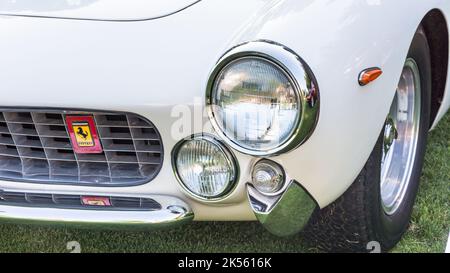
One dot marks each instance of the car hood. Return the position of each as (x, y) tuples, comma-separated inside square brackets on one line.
[(104, 10)]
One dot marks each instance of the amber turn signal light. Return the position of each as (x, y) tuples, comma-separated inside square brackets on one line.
[(369, 75)]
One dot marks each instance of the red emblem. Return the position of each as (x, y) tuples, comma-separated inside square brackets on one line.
[(83, 134), (96, 201)]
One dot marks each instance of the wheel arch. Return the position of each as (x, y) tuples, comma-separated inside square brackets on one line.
[(435, 26)]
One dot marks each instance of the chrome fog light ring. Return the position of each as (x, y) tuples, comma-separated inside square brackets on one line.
[(298, 73), (221, 149), (268, 167)]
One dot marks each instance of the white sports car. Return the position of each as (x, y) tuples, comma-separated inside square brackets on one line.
[(301, 114)]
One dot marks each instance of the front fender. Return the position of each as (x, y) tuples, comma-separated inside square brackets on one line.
[(339, 39)]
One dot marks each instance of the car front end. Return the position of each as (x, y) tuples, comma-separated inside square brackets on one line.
[(118, 114)]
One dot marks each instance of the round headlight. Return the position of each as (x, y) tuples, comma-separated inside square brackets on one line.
[(205, 167), (259, 104), (255, 103)]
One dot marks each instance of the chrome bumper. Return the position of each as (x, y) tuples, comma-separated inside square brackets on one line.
[(173, 212), (285, 214)]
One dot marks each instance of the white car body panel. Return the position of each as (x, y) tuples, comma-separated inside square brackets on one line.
[(148, 67), (111, 10)]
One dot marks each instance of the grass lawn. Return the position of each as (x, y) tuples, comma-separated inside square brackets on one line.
[(428, 231)]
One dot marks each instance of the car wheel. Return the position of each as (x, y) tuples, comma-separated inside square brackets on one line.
[(376, 209)]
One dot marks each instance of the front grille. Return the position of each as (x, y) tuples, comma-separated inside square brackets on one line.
[(74, 201), (35, 147)]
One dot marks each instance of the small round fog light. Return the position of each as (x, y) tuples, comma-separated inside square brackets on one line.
[(205, 167), (267, 176)]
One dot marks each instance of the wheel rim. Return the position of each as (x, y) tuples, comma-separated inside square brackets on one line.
[(401, 132)]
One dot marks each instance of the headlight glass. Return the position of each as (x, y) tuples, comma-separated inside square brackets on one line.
[(205, 167), (267, 176), (255, 104)]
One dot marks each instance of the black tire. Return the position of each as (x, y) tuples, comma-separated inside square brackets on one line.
[(357, 217)]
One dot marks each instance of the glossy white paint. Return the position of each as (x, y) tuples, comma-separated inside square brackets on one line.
[(147, 67), (121, 10)]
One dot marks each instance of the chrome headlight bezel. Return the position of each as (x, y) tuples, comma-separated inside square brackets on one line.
[(295, 69), (230, 157)]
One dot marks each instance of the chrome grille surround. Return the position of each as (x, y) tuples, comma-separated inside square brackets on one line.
[(35, 147)]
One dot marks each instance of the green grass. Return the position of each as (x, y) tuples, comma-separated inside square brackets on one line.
[(430, 222), (428, 231)]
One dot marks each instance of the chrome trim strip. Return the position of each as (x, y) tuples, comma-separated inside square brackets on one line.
[(173, 213), (285, 214), (301, 76)]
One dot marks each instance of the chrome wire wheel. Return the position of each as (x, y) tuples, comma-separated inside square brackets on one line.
[(401, 133)]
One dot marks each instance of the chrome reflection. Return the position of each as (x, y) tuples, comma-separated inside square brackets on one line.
[(294, 76), (285, 214), (173, 212), (401, 133)]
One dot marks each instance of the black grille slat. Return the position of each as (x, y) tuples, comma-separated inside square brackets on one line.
[(47, 118), (22, 129), (149, 158), (125, 170), (122, 157), (143, 133), (111, 120), (92, 157), (52, 130), (8, 150), (60, 154), (94, 169), (31, 152), (148, 170), (6, 139), (56, 143), (147, 203), (18, 117), (35, 167), (115, 132), (10, 164), (63, 168), (12, 197), (27, 141), (4, 127), (115, 145), (39, 198), (125, 202), (135, 121), (68, 200), (147, 146), (35, 147)]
